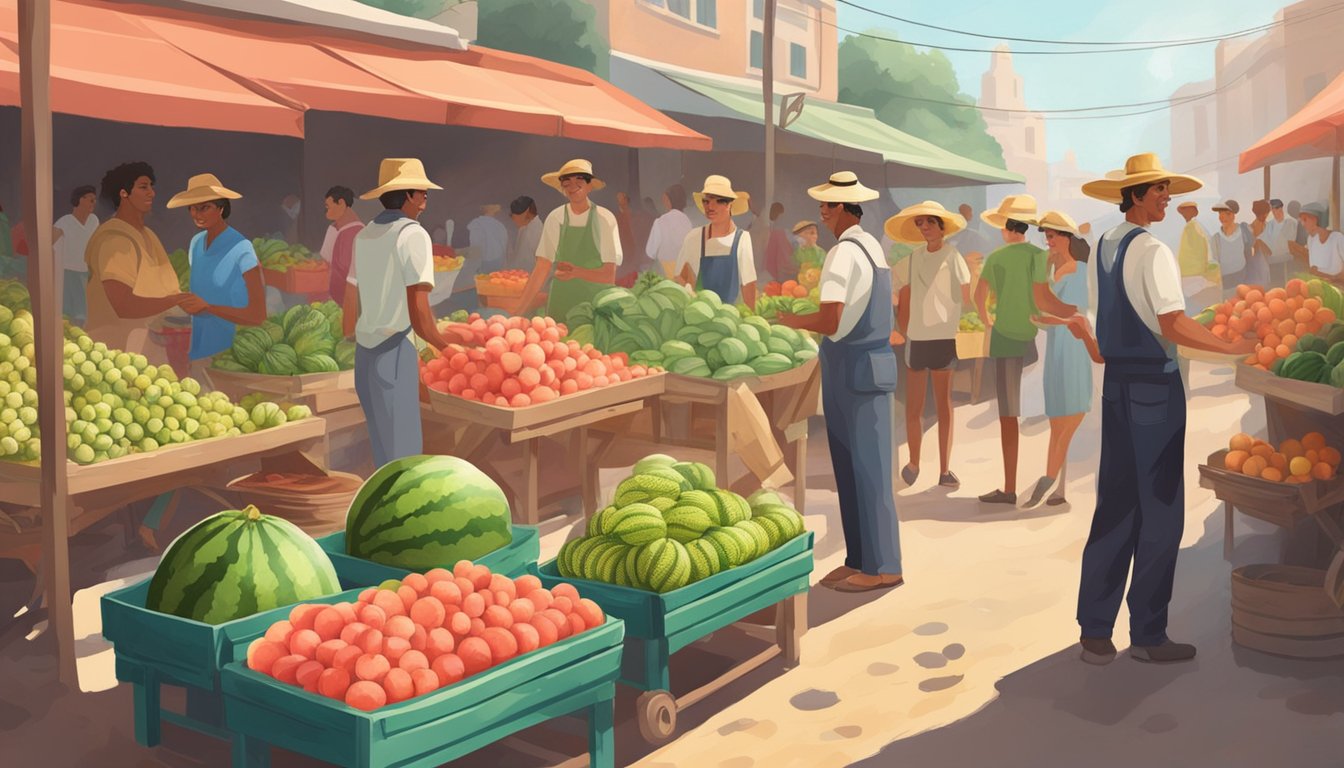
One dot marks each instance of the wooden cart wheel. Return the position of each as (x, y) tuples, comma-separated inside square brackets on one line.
[(657, 712)]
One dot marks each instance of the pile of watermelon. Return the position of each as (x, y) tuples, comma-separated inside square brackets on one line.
[(517, 361), (306, 338), (658, 323), (670, 526), (408, 638)]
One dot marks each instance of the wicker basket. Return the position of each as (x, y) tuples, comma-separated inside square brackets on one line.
[(1284, 610), (316, 513)]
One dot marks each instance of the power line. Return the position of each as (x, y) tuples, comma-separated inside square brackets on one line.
[(1153, 43)]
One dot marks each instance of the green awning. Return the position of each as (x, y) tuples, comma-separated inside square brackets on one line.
[(851, 126)]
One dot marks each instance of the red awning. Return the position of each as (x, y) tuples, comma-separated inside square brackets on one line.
[(1317, 130), (155, 65)]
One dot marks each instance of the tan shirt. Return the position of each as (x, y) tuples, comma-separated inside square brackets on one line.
[(118, 251)]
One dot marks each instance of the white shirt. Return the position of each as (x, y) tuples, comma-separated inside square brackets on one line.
[(525, 246), (1152, 276), (608, 239), (718, 247), (490, 241), (1328, 256), (74, 239), (1277, 235), (935, 281), (847, 277), (667, 236), (1229, 251), (328, 250), (389, 258)]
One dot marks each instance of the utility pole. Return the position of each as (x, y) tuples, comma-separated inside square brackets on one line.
[(768, 91)]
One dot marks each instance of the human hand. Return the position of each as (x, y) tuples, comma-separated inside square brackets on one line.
[(896, 339), (193, 304), (1243, 346), (564, 271), (787, 319)]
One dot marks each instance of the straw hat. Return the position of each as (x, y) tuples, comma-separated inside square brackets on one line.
[(1016, 207), (1227, 205), (1059, 222), (1139, 169), (399, 173), (804, 224), (568, 169), (202, 188), (720, 186), (1188, 204), (842, 187), (901, 227)]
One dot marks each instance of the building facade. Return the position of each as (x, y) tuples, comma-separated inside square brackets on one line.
[(1020, 133), (1194, 131)]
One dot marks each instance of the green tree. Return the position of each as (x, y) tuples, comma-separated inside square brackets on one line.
[(902, 85), (420, 9), (563, 31)]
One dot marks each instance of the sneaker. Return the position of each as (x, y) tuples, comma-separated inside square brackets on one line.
[(1044, 487), (909, 474), (998, 497), (949, 480), (1167, 652), (1097, 650), (1056, 501)]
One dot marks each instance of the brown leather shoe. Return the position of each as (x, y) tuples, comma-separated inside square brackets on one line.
[(837, 576), (1099, 651), (862, 582)]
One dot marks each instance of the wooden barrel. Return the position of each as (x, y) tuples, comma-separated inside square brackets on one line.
[(1284, 610), (317, 513)]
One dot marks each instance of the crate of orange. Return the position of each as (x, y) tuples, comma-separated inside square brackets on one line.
[(1277, 317), (1279, 484), (506, 282)]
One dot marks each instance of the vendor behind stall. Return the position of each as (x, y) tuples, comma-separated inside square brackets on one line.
[(226, 288), (718, 257)]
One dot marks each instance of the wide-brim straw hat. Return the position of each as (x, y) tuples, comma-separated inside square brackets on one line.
[(1059, 221), (804, 224), (902, 229), (1016, 207), (721, 186), (399, 173), (843, 187), (1143, 168), (575, 166), (202, 188)]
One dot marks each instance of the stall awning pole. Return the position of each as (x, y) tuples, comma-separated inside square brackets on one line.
[(1267, 182), (1334, 193), (48, 338)]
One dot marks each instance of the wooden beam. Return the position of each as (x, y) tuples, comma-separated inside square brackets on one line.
[(48, 338), (768, 96), (1266, 182), (1334, 193)]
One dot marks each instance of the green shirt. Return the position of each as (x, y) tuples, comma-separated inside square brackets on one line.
[(1011, 273), (809, 256)]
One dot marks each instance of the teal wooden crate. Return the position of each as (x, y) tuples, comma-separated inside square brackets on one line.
[(575, 675), (512, 560), (658, 625)]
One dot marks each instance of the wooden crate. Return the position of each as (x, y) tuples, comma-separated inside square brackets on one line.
[(305, 281), (560, 409), (1303, 394), (1284, 504), (1284, 610), (485, 288), (574, 675), (512, 560), (695, 389), (323, 392)]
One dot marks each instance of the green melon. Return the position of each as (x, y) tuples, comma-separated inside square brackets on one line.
[(730, 508), (687, 523), (662, 503), (580, 556), (636, 524), (610, 563), (631, 569), (648, 485), (653, 461), (597, 524), (765, 496), (700, 476), (729, 545), (595, 561), (236, 563), (424, 512), (705, 559), (777, 531), (791, 522), (664, 565), (733, 350), (759, 535)]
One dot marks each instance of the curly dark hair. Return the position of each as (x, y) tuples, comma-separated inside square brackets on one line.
[(122, 179), (79, 193)]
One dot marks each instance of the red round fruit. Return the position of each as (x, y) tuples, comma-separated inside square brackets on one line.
[(428, 612), (473, 605), (333, 683), (560, 620), (347, 611), (439, 642), (262, 655), (416, 581), (301, 616), (346, 658), (372, 666), (373, 616), (306, 674), (419, 638), (464, 586), (449, 668), (371, 641), (480, 577), (546, 629), (286, 668), (576, 624), (475, 655), (395, 647), (388, 602), (366, 596), (462, 569), (397, 683), (526, 584), (503, 583), (413, 660), (328, 623), (436, 575), (304, 642), (477, 627), (408, 597), (280, 631), (503, 645), (522, 610), (366, 695), (425, 681), (565, 589), (527, 637), (541, 598), (399, 626), (590, 611), (460, 625), (351, 632), (563, 604), (446, 591), (328, 649), (497, 616)]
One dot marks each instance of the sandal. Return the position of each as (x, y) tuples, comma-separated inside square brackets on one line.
[(999, 497), (909, 474)]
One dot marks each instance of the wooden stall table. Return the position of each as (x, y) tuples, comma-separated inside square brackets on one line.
[(472, 430)]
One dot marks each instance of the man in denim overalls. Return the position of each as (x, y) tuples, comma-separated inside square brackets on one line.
[(1140, 510)]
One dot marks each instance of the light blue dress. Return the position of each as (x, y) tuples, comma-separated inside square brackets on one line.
[(1068, 368)]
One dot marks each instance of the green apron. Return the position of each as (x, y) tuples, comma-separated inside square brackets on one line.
[(578, 246)]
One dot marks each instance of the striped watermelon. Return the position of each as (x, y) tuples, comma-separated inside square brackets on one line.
[(730, 508), (765, 496), (636, 524), (597, 524), (653, 461), (595, 559), (424, 512), (728, 546), (237, 563), (759, 535), (686, 523), (649, 485), (705, 559), (664, 565), (700, 476)]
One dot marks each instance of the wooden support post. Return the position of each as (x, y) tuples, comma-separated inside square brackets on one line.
[(1266, 182), (48, 339), (1229, 537), (790, 626), (800, 474), (531, 468), (1334, 192), (723, 431)]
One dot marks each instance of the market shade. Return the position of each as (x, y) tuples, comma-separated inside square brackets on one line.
[(1317, 130), (108, 66)]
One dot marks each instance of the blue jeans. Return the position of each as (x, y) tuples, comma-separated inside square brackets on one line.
[(388, 384)]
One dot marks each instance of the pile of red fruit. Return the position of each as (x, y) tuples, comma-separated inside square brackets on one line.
[(518, 361), (405, 639)]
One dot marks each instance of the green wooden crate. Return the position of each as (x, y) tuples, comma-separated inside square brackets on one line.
[(658, 625), (575, 675), (512, 560)]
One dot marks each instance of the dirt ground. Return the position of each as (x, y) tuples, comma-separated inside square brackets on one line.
[(973, 662)]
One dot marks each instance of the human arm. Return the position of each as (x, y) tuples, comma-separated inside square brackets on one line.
[(254, 313), (529, 301), (129, 306), (422, 317), (1185, 331), (749, 294), (982, 302), (1047, 301), (349, 309), (826, 321)]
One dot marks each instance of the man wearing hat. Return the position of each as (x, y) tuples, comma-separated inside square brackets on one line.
[(579, 239), (1193, 255), (1325, 249), (392, 273), (226, 287), (1140, 511), (1018, 276), (933, 284), (858, 374), (1230, 248), (1280, 230), (718, 257), (808, 253)]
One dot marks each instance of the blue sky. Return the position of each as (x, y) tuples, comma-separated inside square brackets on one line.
[(1061, 82)]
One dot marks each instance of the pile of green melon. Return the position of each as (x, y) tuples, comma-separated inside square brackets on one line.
[(658, 323), (670, 526), (306, 338)]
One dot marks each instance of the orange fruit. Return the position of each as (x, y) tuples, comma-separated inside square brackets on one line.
[(1235, 459), (1312, 455), (1278, 461), (1241, 442), (1314, 440), (1300, 466), (1265, 355), (1272, 474), (1254, 466), (1282, 350), (1330, 456), (1285, 326), (1273, 340), (1254, 294), (1243, 289), (1290, 340), (1302, 329), (1297, 479), (1322, 471), (1277, 307), (1262, 450), (1325, 316), (1291, 448), (1312, 303)]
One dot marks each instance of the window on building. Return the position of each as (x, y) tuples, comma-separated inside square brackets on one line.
[(758, 9), (797, 60), (757, 45), (706, 13), (1313, 85)]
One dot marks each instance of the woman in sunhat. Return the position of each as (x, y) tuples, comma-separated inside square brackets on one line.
[(226, 287), (579, 239), (718, 257), (932, 286)]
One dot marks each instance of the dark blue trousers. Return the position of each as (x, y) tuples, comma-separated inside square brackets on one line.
[(1140, 512)]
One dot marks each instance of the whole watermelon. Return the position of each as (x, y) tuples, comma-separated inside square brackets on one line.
[(279, 360), (237, 563), (424, 512), (249, 345), (318, 364)]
